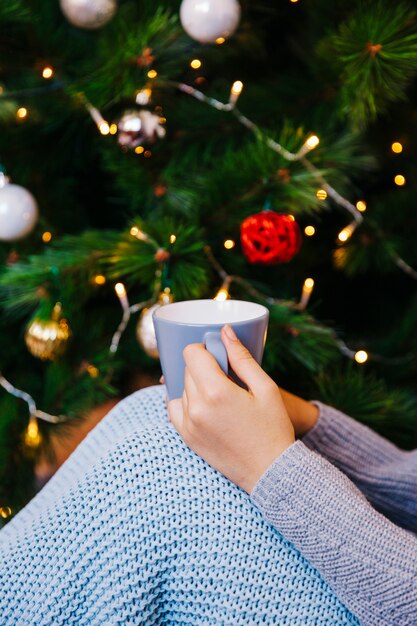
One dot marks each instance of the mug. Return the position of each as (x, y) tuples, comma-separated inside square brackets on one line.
[(200, 321)]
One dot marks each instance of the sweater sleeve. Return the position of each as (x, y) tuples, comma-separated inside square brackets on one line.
[(386, 475), (369, 562)]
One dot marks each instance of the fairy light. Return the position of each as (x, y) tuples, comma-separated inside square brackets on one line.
[(397, 147), (361, 206), (235, 92), (309, 231), (152, 74), (312, 142), (113, 129), (100, 279), (135, 231), (21, 113), (5, 512), (361, 357), (321, 194), (196, 64), (399, 180), (308, 288), (104, 128), (46, 237), (47, 72), (229, 244), (347, 232), (143, 96), (32, 435), (139, 150), (172, 239), (93, 371)]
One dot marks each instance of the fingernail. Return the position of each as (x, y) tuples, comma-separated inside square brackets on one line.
[(230, 332)]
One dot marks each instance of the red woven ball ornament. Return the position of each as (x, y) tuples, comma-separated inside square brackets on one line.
[(270, 238)]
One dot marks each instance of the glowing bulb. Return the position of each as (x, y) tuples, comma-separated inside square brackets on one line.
[(93, 371), (196, 64), (46, 237), (47, 72), (321, 194), (306, 293), (100, 279), (134, 231), (361, 356), (310, 231), (347, 232), (21, 113), (152, 74), (143, 96), (312, 142), (5, 512), (139, 150), (113, 129), (309, 284), (237, 88), (229, 244), (104, 128), (222, 295), (32, 434), (293, 1), (172, 239), (397, 147), (138, 233), (361, 206), (291, 218), (220, 40), (399, 180), (120, 290)]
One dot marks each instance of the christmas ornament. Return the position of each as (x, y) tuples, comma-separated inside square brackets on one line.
[(145, 331), (139, 128), (89, 14), (210, 20), (270, 238), (18, 212), (47, 339)]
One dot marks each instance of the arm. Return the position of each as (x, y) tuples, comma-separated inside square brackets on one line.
[(386, 475), (370, 563)]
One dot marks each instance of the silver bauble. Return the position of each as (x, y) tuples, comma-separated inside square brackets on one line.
[(207, 21), (89, 14), (18, 212), (139, 128), (145, 331)]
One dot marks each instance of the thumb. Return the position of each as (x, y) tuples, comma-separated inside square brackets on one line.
[(176, 414), (242, 362)]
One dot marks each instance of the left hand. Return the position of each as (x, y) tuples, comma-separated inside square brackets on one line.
[(240, 433)]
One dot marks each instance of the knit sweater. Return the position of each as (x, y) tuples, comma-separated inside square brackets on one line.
[(367, 560), (137, 529)]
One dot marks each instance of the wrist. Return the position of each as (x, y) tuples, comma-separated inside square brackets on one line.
[(303, 414)]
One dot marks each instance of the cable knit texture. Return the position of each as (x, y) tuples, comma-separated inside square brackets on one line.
[(384, 473), (369, 562), (136, 529)]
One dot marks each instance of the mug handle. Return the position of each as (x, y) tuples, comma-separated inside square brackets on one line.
[(215, 346)]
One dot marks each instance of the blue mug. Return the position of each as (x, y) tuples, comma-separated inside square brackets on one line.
[(200, 321)]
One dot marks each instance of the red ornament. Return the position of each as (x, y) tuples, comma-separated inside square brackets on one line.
[(270, 238)]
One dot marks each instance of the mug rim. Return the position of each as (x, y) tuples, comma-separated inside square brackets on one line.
[(264, 313)]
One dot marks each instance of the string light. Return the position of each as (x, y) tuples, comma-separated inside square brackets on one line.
[(235, 92), (308, 288), (46, 237), (321, 194), (399, 180), (32, 435), (139, 149), (361, 206), (152, 74), (135, 231), (21, 113), (113, 129), (361, 357), (104, 128), (196, 64), (310, 231), (347, 232), (223, 294), (100, 279), (172, 239), (220, 40), (93, 371), (5, 512), (312, 142), (397, 147), (97, 117), (229, 244), (143, 96), (47, 72)]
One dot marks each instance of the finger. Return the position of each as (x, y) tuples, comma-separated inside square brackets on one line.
[(162, 380), (190, 388), (203, 367), (176, 414), (242, 362)]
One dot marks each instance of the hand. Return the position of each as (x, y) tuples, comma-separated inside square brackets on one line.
[(240, 433)]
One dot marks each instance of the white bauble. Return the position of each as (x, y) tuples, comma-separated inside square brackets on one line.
[(207, 20), (18, 212), (88, 14), (145, 330)]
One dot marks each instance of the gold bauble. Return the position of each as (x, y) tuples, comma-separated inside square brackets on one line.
[(145, 331), (47, 339)]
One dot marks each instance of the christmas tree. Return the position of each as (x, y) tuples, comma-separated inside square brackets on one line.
[(154, 151)]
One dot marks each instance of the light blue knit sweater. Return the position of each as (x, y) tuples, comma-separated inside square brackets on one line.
[(136, 529)]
